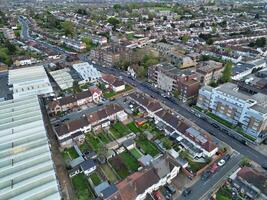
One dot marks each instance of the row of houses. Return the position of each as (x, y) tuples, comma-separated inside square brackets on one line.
[(92, 95), (197, 142), (73, 131)]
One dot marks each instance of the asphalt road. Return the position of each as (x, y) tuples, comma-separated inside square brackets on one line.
[(203, 189), (180, 108)]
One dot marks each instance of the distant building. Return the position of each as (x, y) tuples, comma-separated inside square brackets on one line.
[(209, 71), (76, 45), (236, 107), (9, 34), (114, 83)]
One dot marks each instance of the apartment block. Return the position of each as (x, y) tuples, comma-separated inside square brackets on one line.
[(169, 78), (231, 104)]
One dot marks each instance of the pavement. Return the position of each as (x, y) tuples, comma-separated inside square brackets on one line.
[(203, 189)]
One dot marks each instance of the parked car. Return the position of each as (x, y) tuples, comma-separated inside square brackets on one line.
[(186, 192), (157, 195), (264, 165), (170, 188), (227, 157), (205, 175), (214, 168), (221, 162)]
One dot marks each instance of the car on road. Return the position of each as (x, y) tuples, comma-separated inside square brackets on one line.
[(170, 188), (186, 192), (227, 157), (205, 175), (221, 163), (264, 165), (157, 195), (214, 168)]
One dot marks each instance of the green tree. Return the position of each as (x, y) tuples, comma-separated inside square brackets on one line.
[(227, 72), (117, 7), (89, 43), (210, 41), (113, 21), (185, 38), (167, 143), (68, 28), (76, 88)]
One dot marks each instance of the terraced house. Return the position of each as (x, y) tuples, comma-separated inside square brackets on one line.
[(236, 107)]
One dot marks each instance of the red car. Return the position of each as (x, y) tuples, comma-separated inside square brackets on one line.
[(157, 195), (214, 168)]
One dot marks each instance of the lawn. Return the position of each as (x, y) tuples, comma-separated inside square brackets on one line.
[(109, 94), (197, 108), (240, 130), (119, 130), (103, 137), (119, 166), (81, 187), (95, 179), (93, 141), (224, 193), (130, 161), (147, 146), (109, 173), (133, 127), (194, 166), (136, 153), (84, 147), (70, 154)]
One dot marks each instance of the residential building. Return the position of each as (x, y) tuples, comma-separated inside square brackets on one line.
[(113, 83), (98, 39), (250, 182), (27, 168), (236, 107), (242, 69), (208, 71), (88, 166), (138, 185), (73, 131), (197, 142), (76, 45), (87, 71), (29, 81), (93, 94), (170, 79), (19, 61), (9, 34)]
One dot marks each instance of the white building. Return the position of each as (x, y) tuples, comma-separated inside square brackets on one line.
[(63, 78), (88, 72), (236, 107), (26, 169), (29, 81)]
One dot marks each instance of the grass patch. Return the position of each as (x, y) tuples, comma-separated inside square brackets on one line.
[(136, 153), (119, 130), (70, 154), (133, 127), (197, 108), (84, 147), (224, 193), (240, 130), (93, 141), (130, 161), (220, 120), (95, 179), (81, 187), (147, 146), (194, 166), (119, 166), (103, 137), (109, 94), (109, 173)]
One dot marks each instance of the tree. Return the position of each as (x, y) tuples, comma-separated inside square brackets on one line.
[(167, 143), (260, 42), (185, 38), (89, 43), (68, 28), (76, 88), (141, 72), (117, 7), (257, 16), (210, 41), (176, 94), (227, 72), (113, 21)]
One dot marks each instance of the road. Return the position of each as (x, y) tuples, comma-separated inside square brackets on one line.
[(203, 189), (180, 108)]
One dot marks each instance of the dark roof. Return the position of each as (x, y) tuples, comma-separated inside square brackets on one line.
[(109, 191), (87, 164)]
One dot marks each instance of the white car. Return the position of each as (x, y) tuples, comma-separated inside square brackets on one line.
[(221, 162)]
